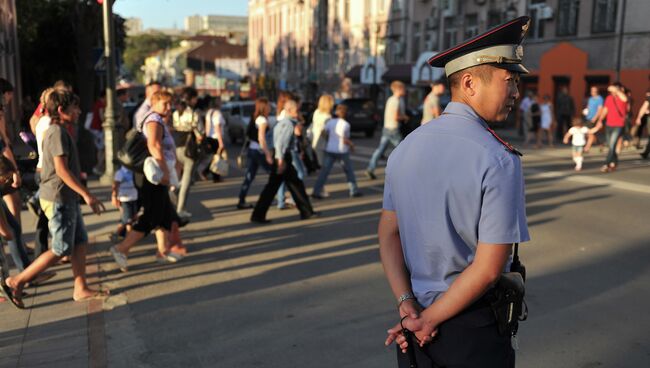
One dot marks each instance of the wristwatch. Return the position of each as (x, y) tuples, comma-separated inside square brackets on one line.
[(404, 297)]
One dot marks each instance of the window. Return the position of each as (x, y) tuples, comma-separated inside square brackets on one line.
[(471, 25), (417, 36), (604, 19), (346, 11), (567, 17), (431, 41), (450, 35), (494, 18), (536, 30)]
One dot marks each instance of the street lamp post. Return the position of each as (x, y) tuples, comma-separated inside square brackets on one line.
[(109, 117)]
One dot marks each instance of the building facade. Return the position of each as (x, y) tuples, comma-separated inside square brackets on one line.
[(233, 27), (577, 43), (10, 59), (133, 26)]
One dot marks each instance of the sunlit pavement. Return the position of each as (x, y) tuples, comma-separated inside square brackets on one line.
[(312, 293)]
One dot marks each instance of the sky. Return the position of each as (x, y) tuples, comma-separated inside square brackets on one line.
[(167, 13)]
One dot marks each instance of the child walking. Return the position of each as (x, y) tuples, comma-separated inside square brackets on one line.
[(578, 134), (61, 189), (339, 145), (124, 196)]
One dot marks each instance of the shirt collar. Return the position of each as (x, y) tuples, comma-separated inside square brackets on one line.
[(459, 108)]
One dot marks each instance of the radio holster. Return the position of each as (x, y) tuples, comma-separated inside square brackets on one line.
[(507, 297)]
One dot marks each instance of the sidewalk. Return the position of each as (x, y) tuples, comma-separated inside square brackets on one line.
[(53, 330)]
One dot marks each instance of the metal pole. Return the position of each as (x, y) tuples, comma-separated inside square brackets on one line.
[(109, 113), (620, 42)]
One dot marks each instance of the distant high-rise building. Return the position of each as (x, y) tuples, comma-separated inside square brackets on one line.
[(233, 27), (133, 26)]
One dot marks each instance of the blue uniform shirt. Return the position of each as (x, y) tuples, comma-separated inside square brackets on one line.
[(452, 184)]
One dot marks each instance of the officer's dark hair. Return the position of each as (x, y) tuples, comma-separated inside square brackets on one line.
[(5, 86), (59, 98), (482, 72)]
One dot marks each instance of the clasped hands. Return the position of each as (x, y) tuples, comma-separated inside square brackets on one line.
[(423, 330)]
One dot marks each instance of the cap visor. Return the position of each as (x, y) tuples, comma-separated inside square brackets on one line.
[(518, 68)]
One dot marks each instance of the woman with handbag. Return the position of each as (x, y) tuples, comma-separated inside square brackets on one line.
[(188, 139), (158, 213), (259, 154)]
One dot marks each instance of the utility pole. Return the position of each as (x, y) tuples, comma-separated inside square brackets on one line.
[(109, 113), (620, 43)]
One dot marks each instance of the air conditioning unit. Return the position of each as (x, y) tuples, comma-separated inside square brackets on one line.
[(546, 12), (449, 8)]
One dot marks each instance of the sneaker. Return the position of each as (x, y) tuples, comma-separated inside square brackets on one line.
[(317, 196), (260, 220), (170, 257), (120, 259), (371, 175), (244, 206), (356, 195), (184, 214), (314, 214)]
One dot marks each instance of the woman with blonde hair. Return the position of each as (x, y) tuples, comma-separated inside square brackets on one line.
[(322, 114)]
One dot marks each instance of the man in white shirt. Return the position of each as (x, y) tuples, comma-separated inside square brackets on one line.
[(393, 115), (431, 107)]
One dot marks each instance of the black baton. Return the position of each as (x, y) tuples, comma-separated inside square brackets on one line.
[(410, 350)]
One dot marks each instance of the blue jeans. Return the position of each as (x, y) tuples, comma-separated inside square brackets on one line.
[(328, 161), (66, 225), (16, 245), (255, 159), (388, 136), (613, 134), (300, 169)]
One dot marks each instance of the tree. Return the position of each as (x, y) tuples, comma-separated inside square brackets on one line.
[(138, 47), (56, 40)]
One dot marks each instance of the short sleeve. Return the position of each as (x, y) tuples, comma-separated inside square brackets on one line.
[(119, 176), (503, 210), (388, 200), (55, 144)]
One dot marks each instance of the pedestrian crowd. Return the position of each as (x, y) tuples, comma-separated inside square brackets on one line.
[(607, 122), (185, 136)]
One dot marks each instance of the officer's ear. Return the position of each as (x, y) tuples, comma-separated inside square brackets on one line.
[(468, 84)]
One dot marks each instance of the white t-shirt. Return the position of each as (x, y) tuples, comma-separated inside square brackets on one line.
[(337, 129), (41, 127), (214, 120), (430, 102), (578, 135), (127, 191), (393, 108), (259, 121)]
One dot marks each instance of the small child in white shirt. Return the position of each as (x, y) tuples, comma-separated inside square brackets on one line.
[(125, 197), (578, 134)]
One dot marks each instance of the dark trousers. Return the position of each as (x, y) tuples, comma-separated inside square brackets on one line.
[(469, 340), (563, 124), (294, 184)]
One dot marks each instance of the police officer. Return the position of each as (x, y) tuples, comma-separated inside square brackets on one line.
[(453, 206)]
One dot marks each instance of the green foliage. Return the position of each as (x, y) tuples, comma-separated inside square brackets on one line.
[(138, 47), (56, 39)]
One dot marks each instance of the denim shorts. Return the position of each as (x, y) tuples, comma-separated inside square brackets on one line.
[(66, 226), (129, 212), (578, 149)]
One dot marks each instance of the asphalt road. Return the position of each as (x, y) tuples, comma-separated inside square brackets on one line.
[(312, 293)]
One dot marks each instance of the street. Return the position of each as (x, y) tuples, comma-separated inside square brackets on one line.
[(313, 294)]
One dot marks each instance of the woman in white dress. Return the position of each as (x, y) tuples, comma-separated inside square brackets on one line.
[(546, 110)]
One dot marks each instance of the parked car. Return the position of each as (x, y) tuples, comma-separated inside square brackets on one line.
[(362, 115), (238, 115)]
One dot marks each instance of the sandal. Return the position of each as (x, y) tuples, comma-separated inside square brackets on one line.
[(9, 294), (604, 169)]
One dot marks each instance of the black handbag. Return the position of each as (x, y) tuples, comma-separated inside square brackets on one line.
[(195, 150), (135, 150)]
